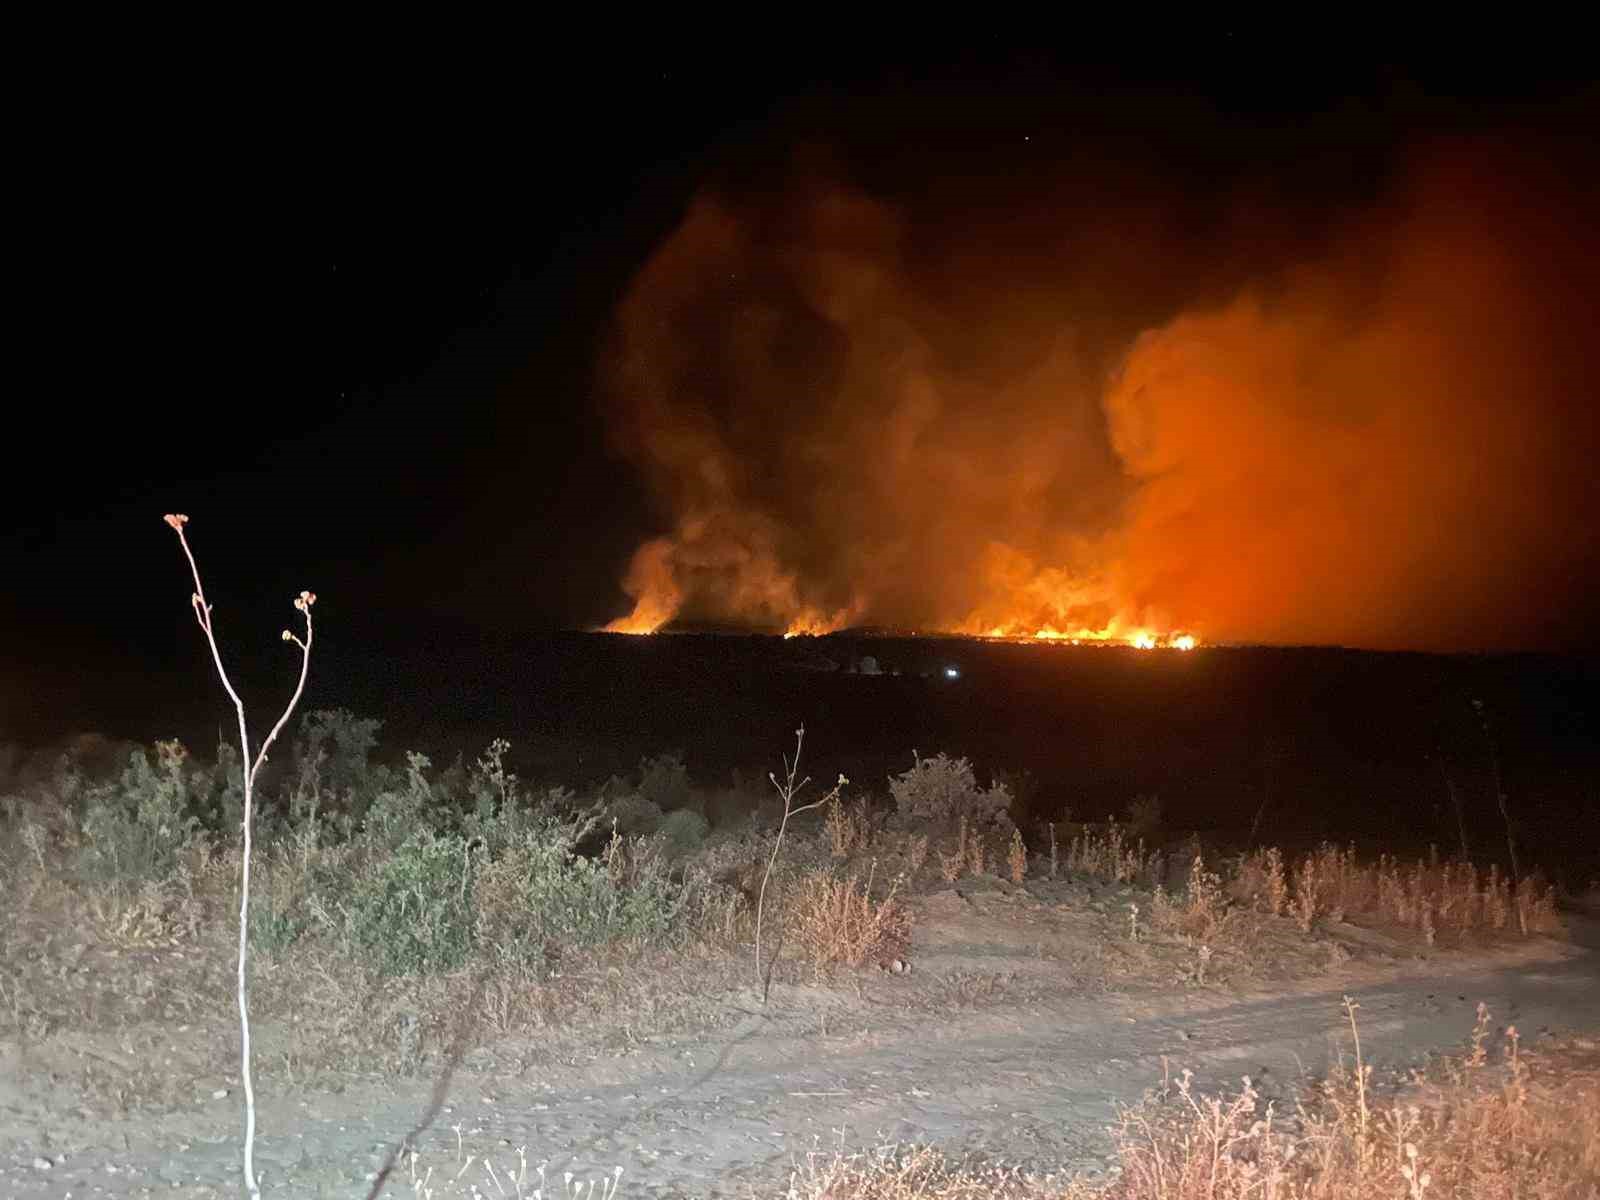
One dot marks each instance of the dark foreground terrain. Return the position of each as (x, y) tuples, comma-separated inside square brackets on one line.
[(1400, 750)]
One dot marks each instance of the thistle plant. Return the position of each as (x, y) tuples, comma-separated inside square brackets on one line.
[(250, 767)]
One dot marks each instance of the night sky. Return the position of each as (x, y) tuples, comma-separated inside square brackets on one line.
[(905, 340)]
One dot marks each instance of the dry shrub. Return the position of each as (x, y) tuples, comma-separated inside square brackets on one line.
[(937, 790), (848, 829), (1261, 878), (1202, 1146), (1467, 1131), (1429, 896), (977, 855), (1017, 856), (1201, 912), (916, 851), (910, 1173), (952, 866), (836, 922), (1459, 1134), (1110, 856)]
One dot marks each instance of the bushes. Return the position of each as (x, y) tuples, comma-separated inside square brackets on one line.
[(941, 790), (445, 866), (335, 747), (435, 900), (683, 832), (398, 812), (837, 922), (538, 897), (414, 913), (1460, 1129), (1429, 896), (1109, 855), (664, 782), (135, 828)]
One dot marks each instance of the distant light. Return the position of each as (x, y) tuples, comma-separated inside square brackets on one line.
[(952, 672)]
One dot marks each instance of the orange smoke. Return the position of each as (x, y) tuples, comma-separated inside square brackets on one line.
[(1380, 451), (1023, 424)]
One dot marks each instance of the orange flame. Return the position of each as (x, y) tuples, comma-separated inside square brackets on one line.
[(1112, 635), (654, 588)]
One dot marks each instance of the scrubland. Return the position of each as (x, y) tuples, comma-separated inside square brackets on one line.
[(411, 919)]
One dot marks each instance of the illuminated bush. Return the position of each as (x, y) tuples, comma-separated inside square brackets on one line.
[(332, 758), (136, 827), (398, 812), (941, 790), (538, 896), (837, 922), (414, 914), (683, 831)]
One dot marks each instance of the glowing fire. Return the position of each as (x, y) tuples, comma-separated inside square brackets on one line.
[(1138, 639), (812, 623), (653, 583), (629, 625), (1114, 633), (647, 619), (1033, 604)]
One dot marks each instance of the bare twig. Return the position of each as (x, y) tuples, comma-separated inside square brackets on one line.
[(202, 614), (788, 789)]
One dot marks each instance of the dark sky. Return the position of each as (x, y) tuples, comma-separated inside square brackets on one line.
[(370, 344)]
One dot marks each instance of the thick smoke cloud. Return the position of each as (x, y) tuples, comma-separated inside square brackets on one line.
[(1067, 405)]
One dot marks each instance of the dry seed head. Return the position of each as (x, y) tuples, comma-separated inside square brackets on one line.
[(176, 520)]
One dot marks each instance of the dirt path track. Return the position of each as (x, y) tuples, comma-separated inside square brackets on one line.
[(1031, 1083)]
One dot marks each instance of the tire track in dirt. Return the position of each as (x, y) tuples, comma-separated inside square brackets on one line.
[(1030, 1083)]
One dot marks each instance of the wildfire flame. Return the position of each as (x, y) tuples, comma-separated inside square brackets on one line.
[(1021, 417), (1138, 639), (654, 582), (812, 623)]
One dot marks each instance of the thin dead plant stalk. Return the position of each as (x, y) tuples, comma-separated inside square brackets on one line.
[(788, 789), (249, 768)]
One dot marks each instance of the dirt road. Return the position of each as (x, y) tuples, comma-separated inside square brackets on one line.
[(1031, 1080)]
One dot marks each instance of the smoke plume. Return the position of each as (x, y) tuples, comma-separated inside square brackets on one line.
[(1072, 407)]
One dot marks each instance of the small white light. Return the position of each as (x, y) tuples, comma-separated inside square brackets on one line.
[(952, 672)]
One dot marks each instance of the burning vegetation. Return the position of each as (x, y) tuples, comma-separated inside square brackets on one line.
[(1052, 416)]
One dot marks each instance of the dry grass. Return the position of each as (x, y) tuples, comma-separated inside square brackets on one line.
[(1431, 897), (1017, 857), (1108, 854), (1201, 912), (836, 922), (954, 864), (908, 1173), (848, 828), (112, 959), (1465, 1131)]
